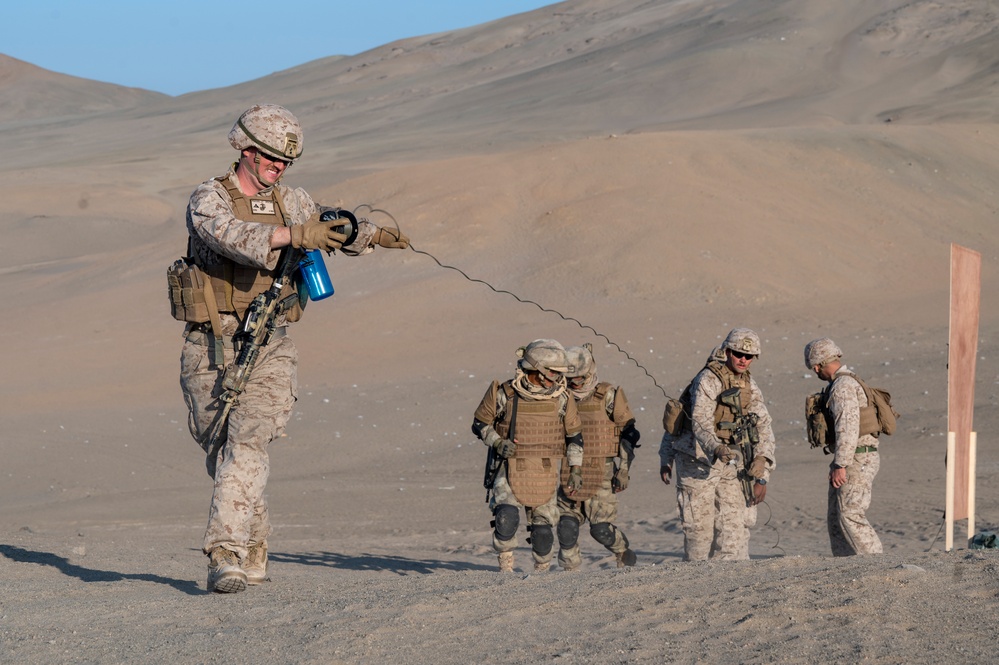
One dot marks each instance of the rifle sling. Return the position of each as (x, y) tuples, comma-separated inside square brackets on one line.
[(203, 338)]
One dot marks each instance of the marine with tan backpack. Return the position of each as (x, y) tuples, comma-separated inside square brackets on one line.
[(846, 420)]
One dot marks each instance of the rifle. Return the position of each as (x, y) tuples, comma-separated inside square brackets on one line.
[(258, 327), (745, 435), (493, 461)]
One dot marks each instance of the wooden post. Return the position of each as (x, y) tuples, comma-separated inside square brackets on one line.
[(965, 286), (972, 455), (949, 497)]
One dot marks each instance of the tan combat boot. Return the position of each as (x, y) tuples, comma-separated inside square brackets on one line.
[(542, 567), (506, 562), (255, 564), (626, 558), (224, 573)]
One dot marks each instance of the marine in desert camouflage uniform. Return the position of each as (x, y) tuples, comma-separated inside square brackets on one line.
[(611, 439), (238, 224), (709, 493), (529, 423), (856, 460)]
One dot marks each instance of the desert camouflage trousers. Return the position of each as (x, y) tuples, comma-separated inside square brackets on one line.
[(713, 511), (849, 531), (601, 508), (541, 515), (238, 515)]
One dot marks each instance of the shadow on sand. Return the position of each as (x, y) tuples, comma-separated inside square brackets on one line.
[(393, 564), (91, 574)]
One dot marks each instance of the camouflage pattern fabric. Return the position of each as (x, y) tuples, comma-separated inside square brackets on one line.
[(599, 508), (546, 514), (713, 511), (238, 512), (599, 504), (845, 399), (709, 494), (849, 531)]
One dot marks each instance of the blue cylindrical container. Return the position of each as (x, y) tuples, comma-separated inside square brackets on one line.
[(317, 280)]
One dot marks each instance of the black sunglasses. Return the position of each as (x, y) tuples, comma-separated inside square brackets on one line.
[(742, 356)]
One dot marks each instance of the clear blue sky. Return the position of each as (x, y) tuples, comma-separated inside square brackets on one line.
[(179, 46)]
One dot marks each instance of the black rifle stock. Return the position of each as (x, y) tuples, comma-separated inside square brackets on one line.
[(744, 435), (258, 327)]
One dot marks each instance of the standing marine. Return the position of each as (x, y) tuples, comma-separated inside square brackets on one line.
[(611, 439), (243, 227), (529, 423), (724, 454), (855, 453)]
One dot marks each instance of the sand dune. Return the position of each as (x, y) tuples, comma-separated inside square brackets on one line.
[(657, 172)]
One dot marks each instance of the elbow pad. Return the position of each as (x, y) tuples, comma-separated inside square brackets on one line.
[(575, 439), (477, 427)]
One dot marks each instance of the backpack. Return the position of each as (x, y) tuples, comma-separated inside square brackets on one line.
[(878, 417), (676, 416)]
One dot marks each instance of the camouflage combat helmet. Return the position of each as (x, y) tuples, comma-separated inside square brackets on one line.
[(821, 351), (580, 359), (546, 356), (270, 128), (743, 340)]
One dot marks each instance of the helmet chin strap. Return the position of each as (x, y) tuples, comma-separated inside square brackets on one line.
[(254, 172)]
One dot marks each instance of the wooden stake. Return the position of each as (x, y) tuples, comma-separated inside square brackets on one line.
[(949, 501), (972, 454)]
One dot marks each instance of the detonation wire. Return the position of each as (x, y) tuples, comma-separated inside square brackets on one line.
[(596, 332), (776, 546), (943, 523)]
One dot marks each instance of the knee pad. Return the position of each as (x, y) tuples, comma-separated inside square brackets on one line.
[(604, 533), (506, 519), (542, 539), (568, 532)]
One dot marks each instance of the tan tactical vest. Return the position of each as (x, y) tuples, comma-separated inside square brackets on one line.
[(601, 441), (540, 436), (199, 293), (869, 423), (729, 379), (240, 283)]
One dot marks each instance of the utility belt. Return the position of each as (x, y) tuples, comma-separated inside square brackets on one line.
[(866, 449), (202, 334)]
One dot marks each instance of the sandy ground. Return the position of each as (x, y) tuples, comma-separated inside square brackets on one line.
[(642, 176)]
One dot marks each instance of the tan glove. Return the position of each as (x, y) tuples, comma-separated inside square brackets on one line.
[(390, 239), (505, 448), (724, 454), (315, 234), (575, 479), (619, 482), (758, 467)]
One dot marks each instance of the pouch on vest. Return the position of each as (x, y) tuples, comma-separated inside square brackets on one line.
[(186, 288), (819, 424)]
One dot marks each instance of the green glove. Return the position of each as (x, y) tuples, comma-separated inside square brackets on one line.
[(315, 234), (575, 479), (724, 454), (390, 239), (505, 448)]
